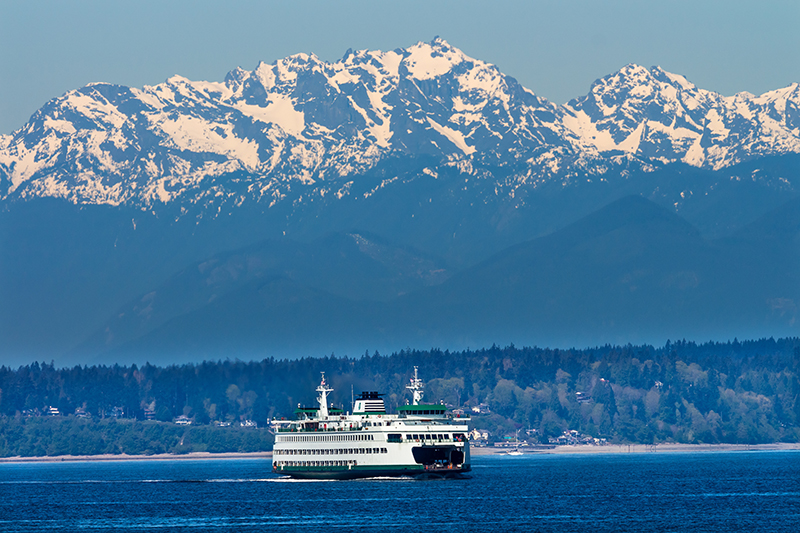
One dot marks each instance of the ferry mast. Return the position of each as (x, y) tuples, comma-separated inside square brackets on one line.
[(416, 388), (323, 391)]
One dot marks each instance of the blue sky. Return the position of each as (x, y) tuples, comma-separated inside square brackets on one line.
[(555, 48)]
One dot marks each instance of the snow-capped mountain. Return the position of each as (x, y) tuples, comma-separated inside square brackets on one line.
[(659, 115), (305, 124)]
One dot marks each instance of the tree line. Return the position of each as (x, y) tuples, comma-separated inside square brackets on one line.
[(732, 392), (52, 436)]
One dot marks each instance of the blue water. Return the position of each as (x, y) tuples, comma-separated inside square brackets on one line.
[(709, 492)]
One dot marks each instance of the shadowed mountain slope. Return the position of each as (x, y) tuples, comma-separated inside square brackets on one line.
[(632, 271)]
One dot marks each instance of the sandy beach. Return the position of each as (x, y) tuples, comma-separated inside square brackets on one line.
[(475, 451)]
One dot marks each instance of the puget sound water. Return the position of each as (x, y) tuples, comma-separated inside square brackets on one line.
[(709, 492)]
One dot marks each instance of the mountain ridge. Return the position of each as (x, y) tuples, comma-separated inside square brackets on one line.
[(630, 271), (301, 129)]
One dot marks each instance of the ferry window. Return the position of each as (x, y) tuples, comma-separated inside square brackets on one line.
[(409, 437)]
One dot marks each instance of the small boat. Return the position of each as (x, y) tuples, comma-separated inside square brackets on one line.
[(515, 451)]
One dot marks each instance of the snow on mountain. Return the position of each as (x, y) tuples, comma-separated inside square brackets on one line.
[(658, 115), (302, 122)]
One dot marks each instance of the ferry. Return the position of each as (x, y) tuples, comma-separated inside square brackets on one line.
[(421, 440)]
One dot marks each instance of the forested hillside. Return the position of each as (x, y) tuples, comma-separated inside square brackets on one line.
[(736, 392)]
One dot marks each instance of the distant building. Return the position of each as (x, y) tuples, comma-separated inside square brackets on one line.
[(479, 436), (118, 412), (149, 414), (183, 420), (248, 424), (52, 411), (81, 413), (482, 408), (573, 437)]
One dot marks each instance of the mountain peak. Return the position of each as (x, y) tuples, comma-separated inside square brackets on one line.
[(430, 60), (676, 80)]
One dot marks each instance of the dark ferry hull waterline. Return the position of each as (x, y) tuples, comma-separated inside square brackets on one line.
[(421, 440), (358, 472)]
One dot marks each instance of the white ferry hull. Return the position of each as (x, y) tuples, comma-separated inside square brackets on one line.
[(368, 471)]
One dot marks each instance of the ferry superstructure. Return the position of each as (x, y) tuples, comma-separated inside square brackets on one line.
[(325, 443)]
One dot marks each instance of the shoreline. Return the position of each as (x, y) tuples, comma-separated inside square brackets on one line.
[(474, 451), (125, 457), (641, 448)]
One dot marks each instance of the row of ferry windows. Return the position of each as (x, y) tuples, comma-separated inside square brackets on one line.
[(427, 436), (316, 463), (334, 451), (327, 438), (363, 436)]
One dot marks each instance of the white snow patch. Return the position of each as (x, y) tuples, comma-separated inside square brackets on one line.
[(424, 63), (631, 143), (265, 74), (581, 125), (61, 126), (197, 135), (685, 84), (280, 111), (486, 80), (391, 63), (716, 125), (102, 112), (454, 136), (695, 155)]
